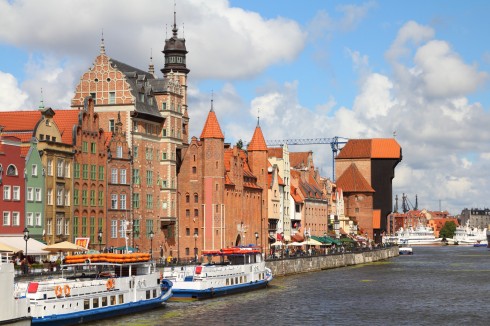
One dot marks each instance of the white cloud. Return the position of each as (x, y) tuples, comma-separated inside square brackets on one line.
[(12, 98)]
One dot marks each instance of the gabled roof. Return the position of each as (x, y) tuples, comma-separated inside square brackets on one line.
[(377, 148), (299, 160), (211, 127), (274, 152), (353, 181), (294, 193), (258, 142), (65, 120)]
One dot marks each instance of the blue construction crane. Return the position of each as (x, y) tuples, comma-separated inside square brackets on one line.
[(334, 144)]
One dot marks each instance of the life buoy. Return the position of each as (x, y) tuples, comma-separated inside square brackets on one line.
[(58, 291), (67, 290), (110, 284)]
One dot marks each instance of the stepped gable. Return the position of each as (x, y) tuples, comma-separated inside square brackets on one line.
[(211, 127), (377, 148), (258, 142), (353, 181)]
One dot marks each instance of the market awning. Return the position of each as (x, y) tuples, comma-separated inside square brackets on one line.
[(34, 247)]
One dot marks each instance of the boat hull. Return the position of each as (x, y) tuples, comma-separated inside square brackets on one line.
[(192, 295)]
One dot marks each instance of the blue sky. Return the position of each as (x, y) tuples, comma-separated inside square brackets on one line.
[(360, 69)]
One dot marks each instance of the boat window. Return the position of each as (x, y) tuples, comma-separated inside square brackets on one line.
[(104, 301), (154, 293), (95, 303), (86, 304), (113, 300), (121, 298), (227, 281)]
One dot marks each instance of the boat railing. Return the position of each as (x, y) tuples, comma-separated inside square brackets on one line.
[(5, 258)]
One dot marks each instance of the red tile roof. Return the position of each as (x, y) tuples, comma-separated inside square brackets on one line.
[(274, 152), (353, 181), (20, 120), (65, 120), (371, 148), (211, 127), (294, 193), (258, 142), (299, 160)]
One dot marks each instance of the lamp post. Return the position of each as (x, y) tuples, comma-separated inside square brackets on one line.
[(26, 238), (195, 245), (151, 243), (100, 239), (256, 237)]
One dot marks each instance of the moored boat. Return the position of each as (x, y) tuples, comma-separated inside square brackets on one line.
[(226, 271), (14, 310), (469, 235), (421, 235), (405, 249), (97, 286)]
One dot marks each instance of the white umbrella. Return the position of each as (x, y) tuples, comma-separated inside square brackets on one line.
[(312, 242), (294, 244), (277, 244), (64, 246)]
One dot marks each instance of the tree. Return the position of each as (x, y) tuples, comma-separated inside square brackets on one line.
[(448, 230), (239, 144)]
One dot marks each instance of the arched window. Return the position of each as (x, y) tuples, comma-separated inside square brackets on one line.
[(12, 170)]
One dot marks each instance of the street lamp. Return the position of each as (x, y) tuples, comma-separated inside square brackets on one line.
[(100, 239), (151, 243), (26, 238), (256, 237), (195, 245)]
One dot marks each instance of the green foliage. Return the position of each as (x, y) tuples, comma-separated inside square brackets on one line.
[(239, 144), (448, 230)]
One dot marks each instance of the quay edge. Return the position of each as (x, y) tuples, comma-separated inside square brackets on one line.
[(291, 266)]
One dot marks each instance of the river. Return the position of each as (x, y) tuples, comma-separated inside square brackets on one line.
[(438, 285)]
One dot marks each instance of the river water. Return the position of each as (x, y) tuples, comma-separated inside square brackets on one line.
[(438, 285)]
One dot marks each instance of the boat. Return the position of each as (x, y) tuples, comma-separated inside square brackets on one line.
[(469, 235), (225, 271), (97, 286), (405, 249), (421, 235), (488, 236), (15, 310)]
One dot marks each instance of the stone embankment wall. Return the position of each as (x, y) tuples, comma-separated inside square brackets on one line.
[(284, 267)]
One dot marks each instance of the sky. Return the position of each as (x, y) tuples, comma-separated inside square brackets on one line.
[(418, 71)]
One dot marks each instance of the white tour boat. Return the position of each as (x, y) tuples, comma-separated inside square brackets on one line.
[(226, 271), (14, 309), (421, 235), (405, 249), (97, 286), (470, 236)]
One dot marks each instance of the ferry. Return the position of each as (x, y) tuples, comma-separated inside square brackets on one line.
[(405, 249), (97, 286), (226, 271), (15, 310), (469, 235), (422, 235)]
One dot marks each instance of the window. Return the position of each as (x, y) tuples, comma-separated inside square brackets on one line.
[(164, 156), (101, 173), (59, 196), (136, 176), (122, 176), (49, 195), (164, 106), (30, 194), (112, 100), (75, 196), (149, 178), (67, 198), (6, 218), (196, 198), (76, 172), (67, 170), (194, 170), (136, 228), (123, 201), (93, 148), (49, 227), (149, 201), (114, 201), (12, 170), (34, 170), (50, 166), (196, 213), (59, 224), (93, 172), (114, 176), (92, 197), (30, 219), (85, 171), (84, 147), (93, 95), (119, 152), (67, 227), (60, 168), (149, 227), (164, 132), (101, 198), (37, 219), (187, 198), (38, 194), (6, 193), (187, 213), (113, 229), (15, 218), (16, 193), (84, 197), (135, 151), (187, 231), (135, 126), (136, 200)]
